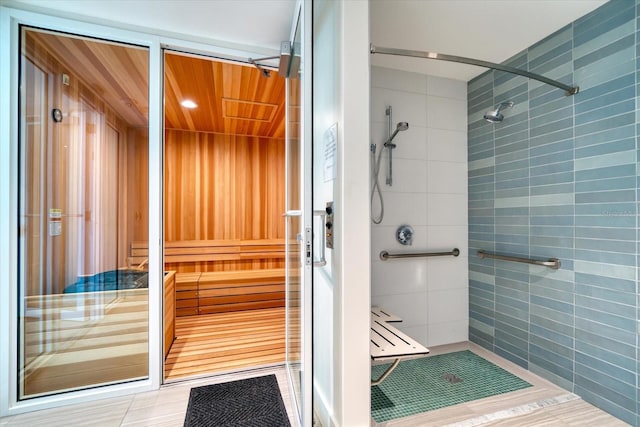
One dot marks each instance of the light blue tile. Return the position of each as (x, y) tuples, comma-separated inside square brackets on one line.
[(552, 231), (551, 199), (605, 233), (626, 311), (552, 169), (548, 138), (606, 100), (605, 404), (551, 148), (605, 386), (597, 333), (619, 170), (565, 362), (551, 54), (604, 353), (605, 123), (606, 184), (552, 210), (605, 51), (607, 196), (552, 189), (610, 135), (560, 332), (549, 43), (558, 156), (600, 21), (552, 304), (599, 72), (608, 283), (616, 33), (549, 179), (605, 160), (550, 127)]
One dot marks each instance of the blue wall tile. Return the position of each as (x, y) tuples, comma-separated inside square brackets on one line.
[(560, 179)]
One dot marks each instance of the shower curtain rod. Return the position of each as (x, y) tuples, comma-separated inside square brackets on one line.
[(569, 90)]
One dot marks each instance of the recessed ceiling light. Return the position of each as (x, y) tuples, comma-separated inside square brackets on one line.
[(187, 103)]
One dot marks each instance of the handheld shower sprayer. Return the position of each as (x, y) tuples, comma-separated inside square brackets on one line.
[(401, 126), (375, 165)]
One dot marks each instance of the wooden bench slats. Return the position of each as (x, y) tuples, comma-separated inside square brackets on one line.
[(245, 290), (251, 282), (228, 299), (223, 308)]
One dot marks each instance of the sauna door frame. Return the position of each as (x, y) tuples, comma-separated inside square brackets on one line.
[(10, 21)]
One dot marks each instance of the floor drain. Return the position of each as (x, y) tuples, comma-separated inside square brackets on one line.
[(452, 378)]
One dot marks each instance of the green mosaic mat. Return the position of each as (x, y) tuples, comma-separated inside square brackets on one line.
[(419, 385)]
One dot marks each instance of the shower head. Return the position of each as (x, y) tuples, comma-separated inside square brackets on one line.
[(495, 116), (402, 126)]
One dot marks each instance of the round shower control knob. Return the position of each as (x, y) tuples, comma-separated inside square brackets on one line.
[(404, 235)]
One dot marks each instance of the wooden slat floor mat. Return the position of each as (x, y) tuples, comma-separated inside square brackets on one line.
[(224, 342)]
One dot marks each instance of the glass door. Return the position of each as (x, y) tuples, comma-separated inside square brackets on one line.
[(298, 242), (83, 298)]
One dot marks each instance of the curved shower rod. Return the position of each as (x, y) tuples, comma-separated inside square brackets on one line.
[(569, 90)]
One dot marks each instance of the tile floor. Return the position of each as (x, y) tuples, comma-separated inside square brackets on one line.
[(543, 404), (161, 408)]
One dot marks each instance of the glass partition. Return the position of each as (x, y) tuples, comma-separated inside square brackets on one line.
[(83, 206)]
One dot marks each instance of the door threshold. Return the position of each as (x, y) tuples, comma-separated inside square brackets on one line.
[(253, 369)]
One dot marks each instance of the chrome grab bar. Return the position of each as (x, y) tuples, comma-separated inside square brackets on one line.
[(384, 255), (553, 263)]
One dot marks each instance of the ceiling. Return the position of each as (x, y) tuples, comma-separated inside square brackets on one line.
[(490, 30), (232, 99), (248, 23)]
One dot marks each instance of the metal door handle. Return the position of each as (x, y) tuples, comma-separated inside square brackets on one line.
[(322, 261)]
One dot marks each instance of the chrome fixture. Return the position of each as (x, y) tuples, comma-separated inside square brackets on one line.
[(375, 164), (568, 90), (404, 235), (384, 255), (289, 61), (553, 263), (401, 126), (495, 116)]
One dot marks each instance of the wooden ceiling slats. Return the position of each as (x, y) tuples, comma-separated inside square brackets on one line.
[(115, 72), (119, 75)]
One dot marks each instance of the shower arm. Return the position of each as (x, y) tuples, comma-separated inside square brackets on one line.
[(569, 90)]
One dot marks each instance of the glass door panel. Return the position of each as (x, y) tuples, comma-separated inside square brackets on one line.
[(299, 233), (83, 202)]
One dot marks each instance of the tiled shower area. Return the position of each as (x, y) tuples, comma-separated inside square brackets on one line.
[(559, 178)]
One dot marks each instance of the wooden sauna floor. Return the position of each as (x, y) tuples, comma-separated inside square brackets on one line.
[(224, 342)]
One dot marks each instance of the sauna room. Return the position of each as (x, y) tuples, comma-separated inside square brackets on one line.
[(84, 290)]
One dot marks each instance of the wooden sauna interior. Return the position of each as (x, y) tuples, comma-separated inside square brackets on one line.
[(224, 231), (87, 174), (224, 189)]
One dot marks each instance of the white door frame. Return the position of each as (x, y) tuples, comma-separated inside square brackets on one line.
[(10, 20), (303, 17)]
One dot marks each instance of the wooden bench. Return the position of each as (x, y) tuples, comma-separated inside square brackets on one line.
[(214, 255), (388, 343), (215, 276)]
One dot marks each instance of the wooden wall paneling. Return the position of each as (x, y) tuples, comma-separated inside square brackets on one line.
[(169, 319), (223, 187), (67, 180)]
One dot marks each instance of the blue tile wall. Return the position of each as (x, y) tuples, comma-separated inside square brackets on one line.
[(559, 178)]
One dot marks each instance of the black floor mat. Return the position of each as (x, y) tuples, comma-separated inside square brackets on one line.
[(253, 402)]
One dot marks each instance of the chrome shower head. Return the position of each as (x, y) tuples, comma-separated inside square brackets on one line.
[(495, 116), (401, 126)]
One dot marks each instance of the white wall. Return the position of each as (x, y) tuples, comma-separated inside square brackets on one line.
[(429, 192), (342, 287)]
